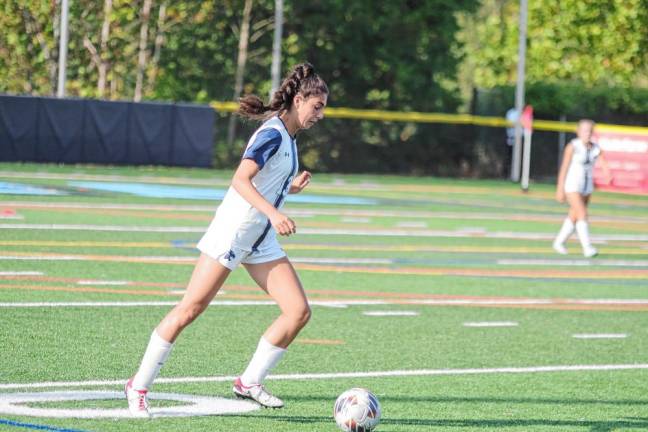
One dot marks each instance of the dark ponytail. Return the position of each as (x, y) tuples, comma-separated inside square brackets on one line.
[(302, 80)]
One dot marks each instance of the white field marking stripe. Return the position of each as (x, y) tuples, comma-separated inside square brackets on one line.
[(92, 258), (355, 219), (113, 178), (390, 313), (338, 303), (100, 282), (21, 273), (325, 303), (600, 336), (325, 212), (327, 232), (19, 404), (110, 206), (584, 262), (337, 375), (306, 260), (118, 228), (411, 224), (491, 324)]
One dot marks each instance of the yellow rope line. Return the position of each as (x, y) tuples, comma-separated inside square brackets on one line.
[(422, 117)]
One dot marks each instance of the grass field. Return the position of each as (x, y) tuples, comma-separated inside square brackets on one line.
[(486, 328)]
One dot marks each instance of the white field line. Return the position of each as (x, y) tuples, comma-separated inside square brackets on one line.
[(118, 304), (491, 324), (306, 260), (91, 258), (342, 303), (21, 273), (327, 232), (100, 282), (111, 206), (117, 228), (575, 263), (355, 219), (600, 336), (120, 178), (339, 375), (390, 313), (324, 212), (412, 224)]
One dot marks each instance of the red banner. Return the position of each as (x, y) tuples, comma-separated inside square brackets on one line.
[(627, 157)]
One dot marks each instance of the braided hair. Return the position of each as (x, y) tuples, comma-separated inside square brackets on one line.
[(302, 80)]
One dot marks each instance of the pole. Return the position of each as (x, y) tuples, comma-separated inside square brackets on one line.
[(519, 91), (562, 139), (63, 47), (526, 164), (276, 47)]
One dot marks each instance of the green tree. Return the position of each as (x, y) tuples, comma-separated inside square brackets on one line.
[(598, 42)]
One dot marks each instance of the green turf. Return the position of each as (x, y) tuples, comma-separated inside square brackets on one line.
[(91, 343)]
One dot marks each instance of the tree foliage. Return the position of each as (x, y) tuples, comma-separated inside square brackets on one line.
[(596, 42)]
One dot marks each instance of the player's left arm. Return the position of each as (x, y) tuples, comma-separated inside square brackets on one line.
[(606, 168), (300, 182)]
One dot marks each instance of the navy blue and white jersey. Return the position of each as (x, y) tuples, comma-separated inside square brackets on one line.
[(237, 224)]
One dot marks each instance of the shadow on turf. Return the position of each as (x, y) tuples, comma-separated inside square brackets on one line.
[(595, 426)]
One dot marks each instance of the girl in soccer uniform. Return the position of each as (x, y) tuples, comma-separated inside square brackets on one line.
[(575, 184), (243, 231)]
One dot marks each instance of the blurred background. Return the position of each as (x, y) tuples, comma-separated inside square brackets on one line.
[(583, 59)]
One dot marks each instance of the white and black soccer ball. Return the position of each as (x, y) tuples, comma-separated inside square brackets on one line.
[(357, 410)]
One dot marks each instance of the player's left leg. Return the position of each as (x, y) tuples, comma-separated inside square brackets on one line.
[(279, 279), (579, 203)]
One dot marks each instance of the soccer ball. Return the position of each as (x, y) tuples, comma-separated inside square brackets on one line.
[(357, 410)]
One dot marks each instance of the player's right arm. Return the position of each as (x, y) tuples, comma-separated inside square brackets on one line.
[(562, 174), (242, 182)]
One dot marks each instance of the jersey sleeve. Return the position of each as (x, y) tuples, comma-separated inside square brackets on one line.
[(265, 145)]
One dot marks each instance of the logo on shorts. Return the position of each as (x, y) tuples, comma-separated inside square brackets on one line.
[(230, 255)]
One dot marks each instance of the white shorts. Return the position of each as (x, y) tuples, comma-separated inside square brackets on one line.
[(233, 248), (579, 184)]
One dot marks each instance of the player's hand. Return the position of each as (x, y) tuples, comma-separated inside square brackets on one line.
[(283, 224), (300, 182), (560, 196)]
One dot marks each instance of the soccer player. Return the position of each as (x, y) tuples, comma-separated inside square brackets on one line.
[(243, 231), (575, 184)]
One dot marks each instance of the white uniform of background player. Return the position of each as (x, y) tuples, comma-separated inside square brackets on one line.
[(580, 175), (239, 233), (576, 184)]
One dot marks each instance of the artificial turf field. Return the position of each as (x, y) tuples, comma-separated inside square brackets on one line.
[(482, 328)]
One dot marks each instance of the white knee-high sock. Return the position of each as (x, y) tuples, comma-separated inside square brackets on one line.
[(156, 354), (566, 231), (582, 229), (264, 359)]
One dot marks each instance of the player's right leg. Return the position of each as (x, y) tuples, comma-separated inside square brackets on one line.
[(207, 278)]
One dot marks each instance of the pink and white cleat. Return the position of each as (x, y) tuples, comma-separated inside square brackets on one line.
[(137, 401), (257, 393)]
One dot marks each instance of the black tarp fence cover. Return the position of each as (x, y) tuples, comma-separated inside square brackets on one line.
[(38, 129)]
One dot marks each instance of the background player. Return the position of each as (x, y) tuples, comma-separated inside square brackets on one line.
[(575, 184)]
